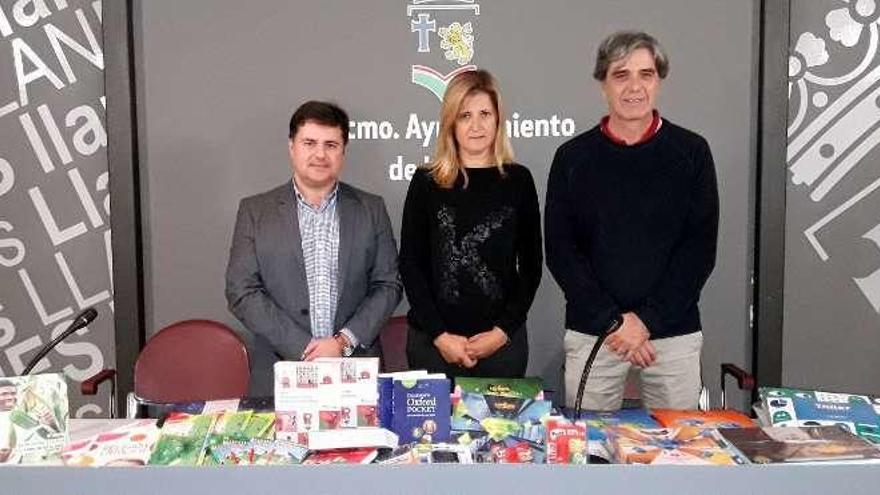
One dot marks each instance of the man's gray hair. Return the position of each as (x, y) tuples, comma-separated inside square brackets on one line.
[(621, 44)]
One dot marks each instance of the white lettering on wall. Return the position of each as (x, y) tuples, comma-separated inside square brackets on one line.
[(15, 352), (85, 198), (77, 349), (90, 137), (57, 37), (57, 235), (7, 177), (27, 19), (10, 244), (55, 134), (45, 317), (81, 301), (36, 142), (20, 51)]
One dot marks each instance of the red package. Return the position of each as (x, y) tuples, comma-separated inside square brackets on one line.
[(566, 442)]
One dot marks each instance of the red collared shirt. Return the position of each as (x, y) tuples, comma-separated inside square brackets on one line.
[(649, 133)]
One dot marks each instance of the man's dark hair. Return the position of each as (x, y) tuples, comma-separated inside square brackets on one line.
[(320, 112), (621, 44)]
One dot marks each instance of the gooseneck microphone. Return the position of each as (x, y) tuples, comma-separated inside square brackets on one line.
[(85, 317)]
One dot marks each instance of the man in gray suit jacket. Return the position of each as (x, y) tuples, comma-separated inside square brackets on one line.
[(313, 264)]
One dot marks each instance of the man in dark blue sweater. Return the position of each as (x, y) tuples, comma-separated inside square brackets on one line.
[(631, 224)]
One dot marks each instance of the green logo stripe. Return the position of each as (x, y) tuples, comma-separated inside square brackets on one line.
[(430, 82)]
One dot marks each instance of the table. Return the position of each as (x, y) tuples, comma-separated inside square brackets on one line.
[(429, 479), (844, 479)]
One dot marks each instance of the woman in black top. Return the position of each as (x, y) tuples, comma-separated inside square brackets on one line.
[(470, 254)]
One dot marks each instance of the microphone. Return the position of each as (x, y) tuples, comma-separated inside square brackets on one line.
[(85, 317)]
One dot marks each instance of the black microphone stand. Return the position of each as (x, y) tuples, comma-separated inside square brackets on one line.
[(85, 317)]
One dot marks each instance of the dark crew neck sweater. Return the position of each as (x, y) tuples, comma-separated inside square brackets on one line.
[(632, 228), (470, 258)]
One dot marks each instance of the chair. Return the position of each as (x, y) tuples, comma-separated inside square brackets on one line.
[(191, 360), (392, 342)]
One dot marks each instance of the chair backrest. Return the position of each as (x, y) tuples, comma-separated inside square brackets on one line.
[(192, 360), (392, 340)]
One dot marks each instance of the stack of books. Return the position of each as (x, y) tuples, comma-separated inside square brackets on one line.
[(325, 394)]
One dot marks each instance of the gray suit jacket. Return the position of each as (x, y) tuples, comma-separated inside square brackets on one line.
[(266, 284)]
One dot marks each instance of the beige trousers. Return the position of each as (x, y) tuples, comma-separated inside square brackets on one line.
[(673, 381)]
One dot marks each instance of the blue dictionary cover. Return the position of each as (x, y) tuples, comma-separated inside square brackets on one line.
[(421, 410), (385, 384), (386, 401)]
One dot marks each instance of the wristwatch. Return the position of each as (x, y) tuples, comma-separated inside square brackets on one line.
[(347, 348)]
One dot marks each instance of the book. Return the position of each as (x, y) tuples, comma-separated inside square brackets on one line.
[(128, 445), (260, 425), (33, 418), (704, 419), (522, 388), (599, 421), (259, 452), (781, 444), (502, 429), (421, 410), (358, 391), (342, 456), (347, 438), (793, 407), (501, 417), (220, 406), (325, 394), (231, 424), (686, 445), (183, 440), (296, 399), (176, 450), (385, 386), (182, 424)]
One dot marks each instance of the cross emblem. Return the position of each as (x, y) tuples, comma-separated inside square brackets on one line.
[(423, 26)]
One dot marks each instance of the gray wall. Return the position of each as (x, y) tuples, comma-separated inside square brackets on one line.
[(55, 256), (217, 86), (832, 269)]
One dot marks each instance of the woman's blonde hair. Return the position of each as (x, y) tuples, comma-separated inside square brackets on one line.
[(446, 164)]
